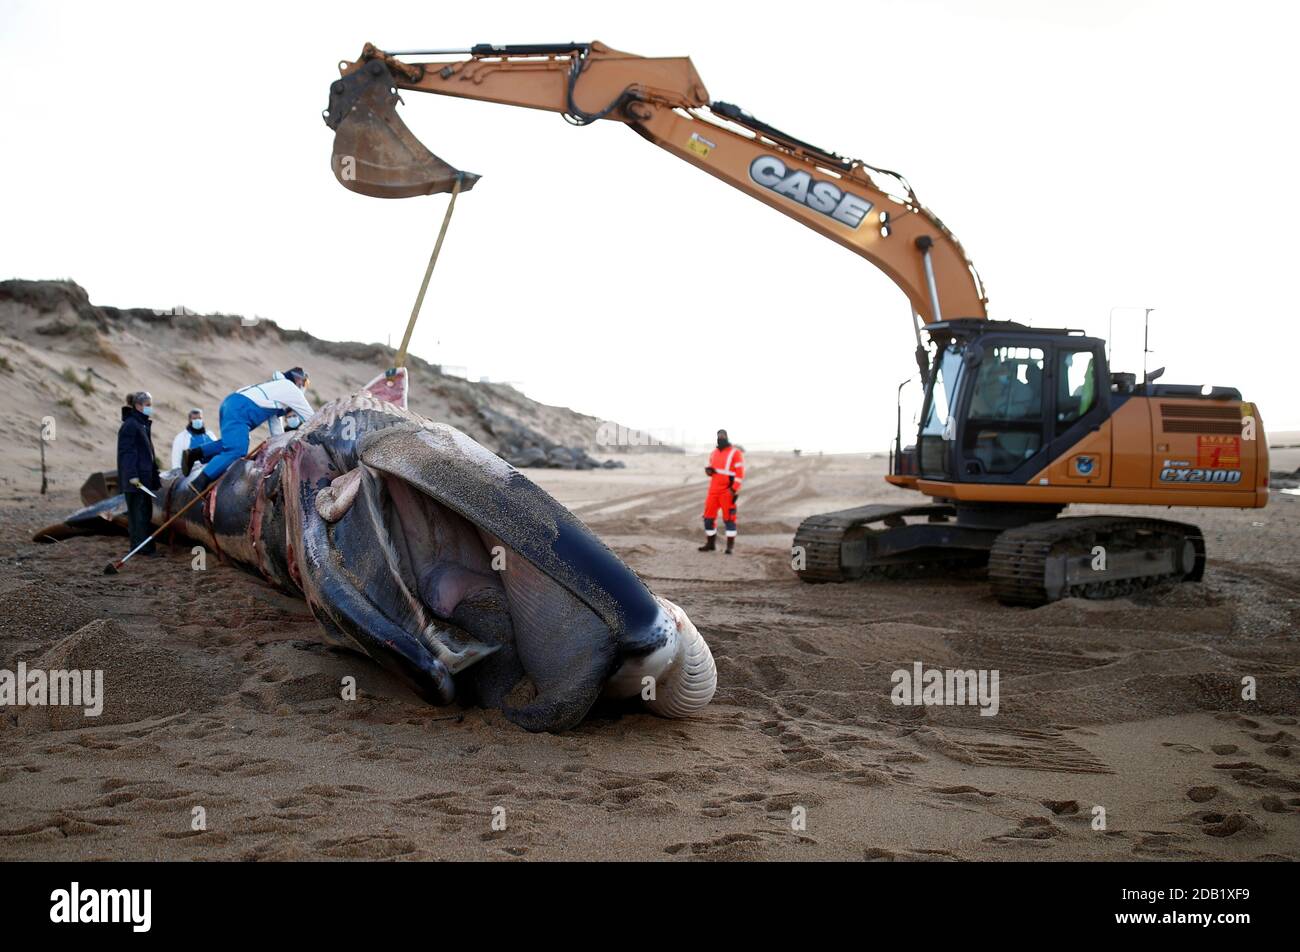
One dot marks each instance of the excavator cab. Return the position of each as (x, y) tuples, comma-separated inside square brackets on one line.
[(1003, 399)]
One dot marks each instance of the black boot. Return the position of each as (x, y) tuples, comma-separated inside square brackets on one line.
[(710, 544), (188, 459), (199, 483), (731, 544)]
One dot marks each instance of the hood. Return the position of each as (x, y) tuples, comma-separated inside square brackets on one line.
[(131, 413)]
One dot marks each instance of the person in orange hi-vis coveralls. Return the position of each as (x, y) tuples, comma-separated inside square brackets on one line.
[(726, 471)]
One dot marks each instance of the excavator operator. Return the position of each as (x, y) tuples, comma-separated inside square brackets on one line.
[(726, 471)]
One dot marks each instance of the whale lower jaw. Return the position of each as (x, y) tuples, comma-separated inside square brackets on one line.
[(677, 679)]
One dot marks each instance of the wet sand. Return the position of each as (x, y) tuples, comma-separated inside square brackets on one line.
[(220, 694)]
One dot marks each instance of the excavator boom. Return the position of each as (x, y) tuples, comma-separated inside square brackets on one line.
[(870, 211)]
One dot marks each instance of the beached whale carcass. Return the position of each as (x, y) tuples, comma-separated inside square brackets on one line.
[(441, 561)]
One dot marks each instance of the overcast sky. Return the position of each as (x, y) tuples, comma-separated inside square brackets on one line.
[(1087, 154)]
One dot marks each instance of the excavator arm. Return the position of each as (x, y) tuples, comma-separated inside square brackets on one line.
[(870, 211)]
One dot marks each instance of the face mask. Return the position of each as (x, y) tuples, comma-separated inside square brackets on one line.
[(147, 411), (196, 425), (292, 422), (723, 444)]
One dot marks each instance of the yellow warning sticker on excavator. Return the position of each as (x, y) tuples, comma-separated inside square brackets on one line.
[(700, 145)]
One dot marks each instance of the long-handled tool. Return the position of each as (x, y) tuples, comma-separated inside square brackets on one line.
[(112, 568)]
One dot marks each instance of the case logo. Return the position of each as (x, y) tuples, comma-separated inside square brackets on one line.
[(818, 194)]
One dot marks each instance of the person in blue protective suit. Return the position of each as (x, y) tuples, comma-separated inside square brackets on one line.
[(192, 437), (244, 411), (137, 469)]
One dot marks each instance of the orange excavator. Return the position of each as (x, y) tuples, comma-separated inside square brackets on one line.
[(1017, 423)]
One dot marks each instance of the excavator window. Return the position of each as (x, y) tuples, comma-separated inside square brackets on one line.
[(1076, 386), (938, 429), (1004, 424)]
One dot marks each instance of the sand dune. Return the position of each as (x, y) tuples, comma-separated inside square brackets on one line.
[(66, 360)]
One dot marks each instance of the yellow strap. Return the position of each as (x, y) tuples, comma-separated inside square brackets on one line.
[(428, 273)]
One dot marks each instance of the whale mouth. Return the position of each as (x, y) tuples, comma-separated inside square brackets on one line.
[(442, 561)]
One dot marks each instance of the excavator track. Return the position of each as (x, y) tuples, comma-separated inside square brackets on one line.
[(886, 541), (1092, 557)]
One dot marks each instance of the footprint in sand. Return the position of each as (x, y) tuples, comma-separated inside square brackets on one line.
[(1235, 718), (1251, 774), (1275, 804), (1062, 807), (777, 806), (1274, 738), (804, 645), (1244, 766), (1162, 844), (1202, 794), (964, 792), (366, 846), (728, 845), (733, 846), (876, 854), (1031, 828), (905, 757), (1233, 824)]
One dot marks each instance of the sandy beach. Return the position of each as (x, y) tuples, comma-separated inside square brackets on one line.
[(221, 694)]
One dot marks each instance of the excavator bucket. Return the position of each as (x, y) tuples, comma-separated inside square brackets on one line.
[(374, 152)]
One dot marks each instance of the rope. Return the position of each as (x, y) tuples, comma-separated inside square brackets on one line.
[(428, 273)]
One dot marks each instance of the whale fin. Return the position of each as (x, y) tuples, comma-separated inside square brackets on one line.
[(106, 517)]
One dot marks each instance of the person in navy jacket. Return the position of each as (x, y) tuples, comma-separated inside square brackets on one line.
[(137, 469)]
